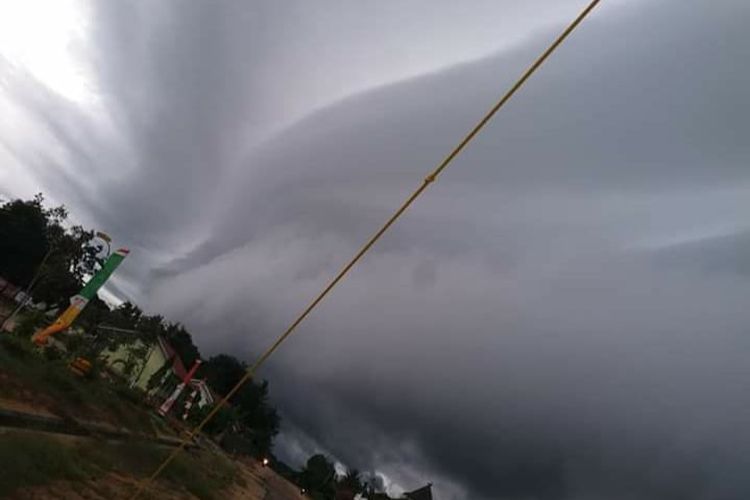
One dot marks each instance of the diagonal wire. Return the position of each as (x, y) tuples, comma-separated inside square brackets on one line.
[(373, 239)]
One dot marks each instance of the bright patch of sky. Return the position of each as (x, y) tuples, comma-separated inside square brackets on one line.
[(43, 38)]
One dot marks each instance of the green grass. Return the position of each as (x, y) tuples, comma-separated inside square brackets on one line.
[(200, 472), (50, 379), (217, 472), (28, 459)]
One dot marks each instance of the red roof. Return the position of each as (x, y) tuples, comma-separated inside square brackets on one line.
[(177, 366)]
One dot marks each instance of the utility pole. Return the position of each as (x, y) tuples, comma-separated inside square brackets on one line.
[(27, 292)]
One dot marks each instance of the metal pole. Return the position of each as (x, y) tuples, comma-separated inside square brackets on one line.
[(27, 291)]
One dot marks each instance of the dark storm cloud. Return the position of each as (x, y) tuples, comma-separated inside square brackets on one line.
[(518, 335), (562, 316), (182, 93)]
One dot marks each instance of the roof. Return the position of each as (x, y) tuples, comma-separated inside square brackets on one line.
[(177, 366), (424, 493)]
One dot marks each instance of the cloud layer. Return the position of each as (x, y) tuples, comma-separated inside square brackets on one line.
[(562, 316)]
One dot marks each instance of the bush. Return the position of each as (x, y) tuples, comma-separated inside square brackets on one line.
[(52, 354), (15, 347), (30, 322)]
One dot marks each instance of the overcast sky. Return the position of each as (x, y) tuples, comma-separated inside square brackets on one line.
[(564, 315)]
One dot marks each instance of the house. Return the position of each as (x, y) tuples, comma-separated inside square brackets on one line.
[(138, 362), (423, 493)]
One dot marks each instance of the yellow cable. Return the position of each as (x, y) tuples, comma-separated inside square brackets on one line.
[(426, 182)]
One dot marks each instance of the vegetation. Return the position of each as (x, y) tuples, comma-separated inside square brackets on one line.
[(250, 403), (352, 482), (29, 378), (258, 420), (318, 478), (35, 243), (37, 249), (32, 459)]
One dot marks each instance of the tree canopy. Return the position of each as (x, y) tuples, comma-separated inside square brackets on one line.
[(250, 402), (319, 477), (34, 242)]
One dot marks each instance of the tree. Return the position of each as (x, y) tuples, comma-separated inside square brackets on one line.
[(149, 327), (182, 341), (72, 258), (23, 239), (351, 482), (259, 421), (37, 245), (318, 478), (29, 232), (97, 312), (222, 372), (126, 315)]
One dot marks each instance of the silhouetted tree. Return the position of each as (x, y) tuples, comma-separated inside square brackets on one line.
[(352, 480), (318, 478), (23, 239), (35, 242), (182, 341), (28, 232), (259, 421)]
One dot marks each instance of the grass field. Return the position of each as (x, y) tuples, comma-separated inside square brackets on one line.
[(26, 376), (30, 459)]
